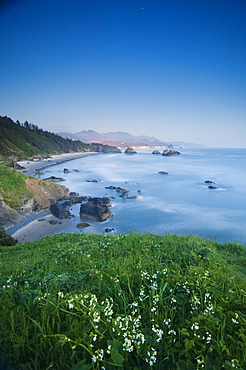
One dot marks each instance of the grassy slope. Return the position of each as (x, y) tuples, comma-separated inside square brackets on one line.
[(129, 301), (16, 188), (12, 186)]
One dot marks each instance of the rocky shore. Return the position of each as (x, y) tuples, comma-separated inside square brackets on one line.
[(58, 203), (44, 194)]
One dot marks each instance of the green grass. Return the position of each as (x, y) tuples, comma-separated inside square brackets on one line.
[(6, 239), (79, 301), (12, 186)]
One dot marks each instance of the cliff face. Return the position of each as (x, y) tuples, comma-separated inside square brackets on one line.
[(40, 196)]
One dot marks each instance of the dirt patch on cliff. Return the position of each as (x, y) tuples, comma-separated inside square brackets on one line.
[(45, 192)]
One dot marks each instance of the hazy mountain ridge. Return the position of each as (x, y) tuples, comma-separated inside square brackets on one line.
[(118, 138), (123, 139)]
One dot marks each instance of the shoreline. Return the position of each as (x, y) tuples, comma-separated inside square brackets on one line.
[(32, 165), (30, 228)]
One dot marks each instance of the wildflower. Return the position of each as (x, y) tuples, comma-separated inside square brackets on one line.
[(94, 359), (209, 337), (235, 363), (140, 338), (152, 357), (158, 332), (172, 332), (127, 345), (195, 326), (70, 306), (100, 354), (141, 294), (154, 285)]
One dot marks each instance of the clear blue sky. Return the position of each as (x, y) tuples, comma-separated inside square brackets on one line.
[(171, 69)]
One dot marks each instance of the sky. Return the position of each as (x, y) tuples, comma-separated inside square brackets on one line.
[(171, 69)]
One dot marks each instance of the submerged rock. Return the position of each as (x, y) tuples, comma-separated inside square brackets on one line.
[(82, 225), (123, 195), (53, 178), (54, 222), (163, 172), (94, 180)]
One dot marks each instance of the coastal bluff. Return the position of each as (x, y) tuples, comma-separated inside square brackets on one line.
[(22, 195)]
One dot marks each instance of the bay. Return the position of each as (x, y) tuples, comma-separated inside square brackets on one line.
[(179, 202)]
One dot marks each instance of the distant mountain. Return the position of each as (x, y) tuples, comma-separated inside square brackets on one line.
[(123, 139), (119, 139)]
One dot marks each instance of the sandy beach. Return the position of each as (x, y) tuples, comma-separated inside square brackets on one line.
[(37, 225), (39, 228), (31, 166)]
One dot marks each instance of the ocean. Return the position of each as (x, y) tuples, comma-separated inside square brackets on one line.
[(179, 202)]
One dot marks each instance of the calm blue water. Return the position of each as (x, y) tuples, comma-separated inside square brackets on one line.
[(176, 203)]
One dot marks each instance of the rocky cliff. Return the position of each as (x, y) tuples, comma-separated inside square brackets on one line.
[(39, 196)]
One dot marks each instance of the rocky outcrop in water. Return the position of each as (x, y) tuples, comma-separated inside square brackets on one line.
[(95, 210), (82, 225), (100, 201), (168, 152), (60, 210), (130, 151), (54, 179), (108, 229)]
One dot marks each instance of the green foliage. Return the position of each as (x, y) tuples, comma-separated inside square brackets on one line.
[(6, 239), (12, 186), (29, 140), (79, 301)]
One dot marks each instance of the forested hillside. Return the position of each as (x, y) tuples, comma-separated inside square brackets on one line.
[(28, 140)]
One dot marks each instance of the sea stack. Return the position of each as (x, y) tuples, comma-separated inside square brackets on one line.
[(130, 151)]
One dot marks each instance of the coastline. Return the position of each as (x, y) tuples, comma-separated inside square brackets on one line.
[(30, 228), (32, 165)]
